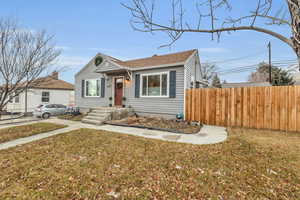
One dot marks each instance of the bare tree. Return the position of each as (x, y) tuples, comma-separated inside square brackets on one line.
[(24, 56), (216, 82), (279, 76), (261, 74), (258, 19), (208, 71)]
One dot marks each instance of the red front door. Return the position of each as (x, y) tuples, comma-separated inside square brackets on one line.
[(118, 91)]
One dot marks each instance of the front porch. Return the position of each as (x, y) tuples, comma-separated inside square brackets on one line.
[(99, 115), (118, 82)]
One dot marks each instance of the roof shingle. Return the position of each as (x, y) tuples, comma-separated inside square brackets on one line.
[(157, 60), (51, 83)]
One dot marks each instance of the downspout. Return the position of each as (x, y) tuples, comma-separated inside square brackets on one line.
[(184, 92)]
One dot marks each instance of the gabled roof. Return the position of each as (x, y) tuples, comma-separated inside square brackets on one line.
[(156, 60), (51, 83)]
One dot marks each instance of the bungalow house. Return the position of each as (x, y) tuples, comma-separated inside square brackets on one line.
[(45, 90), (152, 86)]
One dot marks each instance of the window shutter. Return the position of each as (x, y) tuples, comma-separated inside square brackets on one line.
[(102, 87), (82, 88), (137, 86), (172, 89)]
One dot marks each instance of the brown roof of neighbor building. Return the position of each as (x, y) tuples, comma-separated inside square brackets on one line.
[(51, 82), (245, 84), (156, 60)]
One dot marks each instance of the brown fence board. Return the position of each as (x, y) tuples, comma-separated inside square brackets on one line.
[(275, 108), (298, 108)]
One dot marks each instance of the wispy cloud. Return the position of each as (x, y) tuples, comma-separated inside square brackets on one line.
[(65, 48), (213, 50), (68, 48), (72, 61)]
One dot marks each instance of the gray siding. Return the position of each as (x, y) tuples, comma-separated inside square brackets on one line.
[(197, 66), (90, 102), (192, 68), (107, 66), (150, 106), (167, 107), (189, 72)]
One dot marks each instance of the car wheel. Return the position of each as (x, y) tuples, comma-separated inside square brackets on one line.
[(46, 115)]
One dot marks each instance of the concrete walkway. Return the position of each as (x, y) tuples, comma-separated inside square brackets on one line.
[(207, 134)]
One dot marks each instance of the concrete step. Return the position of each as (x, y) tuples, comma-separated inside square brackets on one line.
[(96, 114), (101, 111), (105, 108), (94, 118), (90, 121)]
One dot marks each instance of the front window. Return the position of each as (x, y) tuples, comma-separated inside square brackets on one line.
[(155, 85), (17, 98), (45, 97), (92, 88)]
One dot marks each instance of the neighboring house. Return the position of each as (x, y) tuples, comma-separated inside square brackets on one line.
[(46, 90), (245, 84), (151, 86)]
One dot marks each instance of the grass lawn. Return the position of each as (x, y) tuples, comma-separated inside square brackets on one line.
[(7, 134), (71, 117), (90, 164)]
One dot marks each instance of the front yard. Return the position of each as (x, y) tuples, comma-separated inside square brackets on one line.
[(90, 164), (15, 132)]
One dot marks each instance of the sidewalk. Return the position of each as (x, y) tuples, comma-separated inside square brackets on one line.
[(6, 121), (207, 134)]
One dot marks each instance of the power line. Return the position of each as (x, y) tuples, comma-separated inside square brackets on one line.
[(253, 67), (235, 59)]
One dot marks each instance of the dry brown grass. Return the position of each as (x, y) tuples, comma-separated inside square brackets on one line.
[(88, 164), (279, 142), (12, 133)]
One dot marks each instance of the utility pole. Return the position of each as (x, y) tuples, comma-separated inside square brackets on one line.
[(26, 95), (270, 62)]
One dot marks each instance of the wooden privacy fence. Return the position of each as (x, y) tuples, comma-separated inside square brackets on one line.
[(275, 108)]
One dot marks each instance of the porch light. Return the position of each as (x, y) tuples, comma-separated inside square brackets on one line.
[(127, 81)]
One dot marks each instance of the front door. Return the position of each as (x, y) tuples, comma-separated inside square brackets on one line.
[(118, 91)]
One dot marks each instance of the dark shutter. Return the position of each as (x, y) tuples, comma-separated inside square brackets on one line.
[(137, 86), (172, 89), (102, 87), (82, 88)]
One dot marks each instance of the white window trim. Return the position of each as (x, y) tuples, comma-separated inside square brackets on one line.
[(85, 87), (48, 97), (157, 73)]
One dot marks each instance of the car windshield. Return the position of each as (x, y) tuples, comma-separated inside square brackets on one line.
[(60, 106), (40, 106)]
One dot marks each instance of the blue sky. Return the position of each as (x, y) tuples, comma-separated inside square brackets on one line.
[(83, 28)]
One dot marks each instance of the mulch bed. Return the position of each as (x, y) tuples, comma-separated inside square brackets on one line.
[(157, 123), (71, 117)]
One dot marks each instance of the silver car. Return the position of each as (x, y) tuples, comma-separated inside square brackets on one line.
[(45, 111)]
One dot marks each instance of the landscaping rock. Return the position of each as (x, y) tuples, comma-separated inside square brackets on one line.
[(158, 123)]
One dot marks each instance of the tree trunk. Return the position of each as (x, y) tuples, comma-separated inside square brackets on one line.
[(294, 8)]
